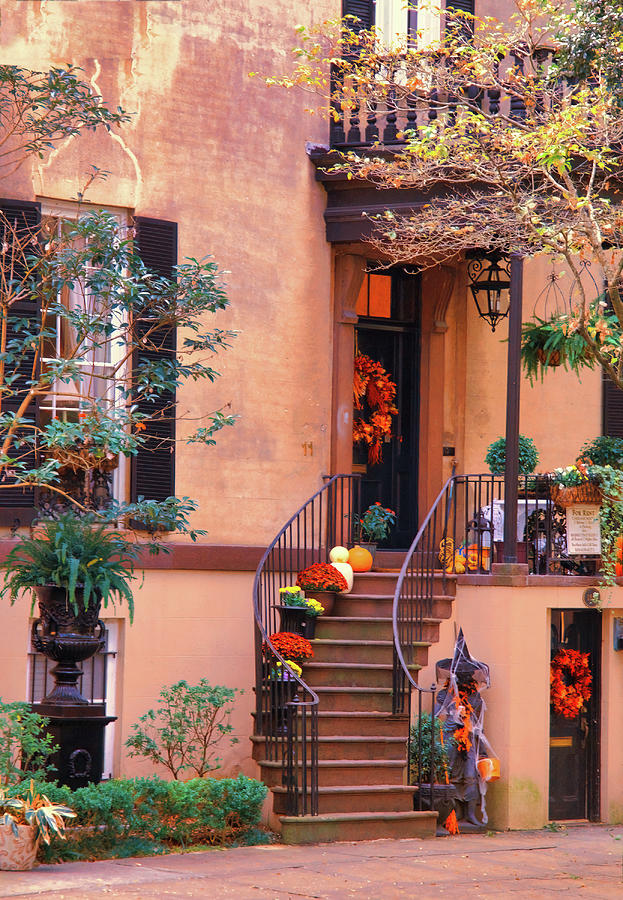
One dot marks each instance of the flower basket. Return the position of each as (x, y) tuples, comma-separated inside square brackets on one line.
[(578, 493)]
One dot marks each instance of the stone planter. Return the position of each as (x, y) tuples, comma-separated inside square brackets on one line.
[(18, 853)]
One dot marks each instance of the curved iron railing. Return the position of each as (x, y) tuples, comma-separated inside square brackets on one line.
[(286, 707)]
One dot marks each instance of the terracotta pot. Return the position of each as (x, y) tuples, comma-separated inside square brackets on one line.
[(326, 598), (18, 853)]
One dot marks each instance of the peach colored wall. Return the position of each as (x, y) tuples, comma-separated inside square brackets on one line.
[(188, 625), (559, 414), (509, 629), (224, 156)]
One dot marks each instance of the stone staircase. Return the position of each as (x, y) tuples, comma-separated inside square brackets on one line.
[(362, 747)]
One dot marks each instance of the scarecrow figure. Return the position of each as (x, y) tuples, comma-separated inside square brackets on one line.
[(461, 709)]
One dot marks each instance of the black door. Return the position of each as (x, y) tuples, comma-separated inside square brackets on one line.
[(574, 742), (390, 335)]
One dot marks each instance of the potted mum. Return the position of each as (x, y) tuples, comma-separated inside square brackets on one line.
[(298, 613), (24, 821), (72, 567), (295, 649), (322, 582), (374, 525)]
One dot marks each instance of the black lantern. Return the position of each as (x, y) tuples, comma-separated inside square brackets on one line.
[(489, 276)]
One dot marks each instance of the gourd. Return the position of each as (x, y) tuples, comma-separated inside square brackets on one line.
[(339, 555), (347, 571), (360, 559)]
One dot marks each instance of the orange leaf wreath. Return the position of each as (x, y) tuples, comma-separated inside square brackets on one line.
[(570, 680), (373, 383)]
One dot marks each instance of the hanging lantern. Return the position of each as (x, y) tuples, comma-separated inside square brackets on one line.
[(489, 276)]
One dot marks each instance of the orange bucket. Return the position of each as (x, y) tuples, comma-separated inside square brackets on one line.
[(489, 769), (478, 559)]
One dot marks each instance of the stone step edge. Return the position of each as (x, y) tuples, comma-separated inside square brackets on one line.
[(340, 763), (354, 665), (355, 789), (351, 738), (365, 713), (430, 620), (355, 595), (358, 817), (349, 642)]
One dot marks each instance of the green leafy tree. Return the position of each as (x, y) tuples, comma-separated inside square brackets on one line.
[(530, 160), (183, 732), (89, 299)]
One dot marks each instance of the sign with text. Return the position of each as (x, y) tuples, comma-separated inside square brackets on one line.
[(583, 533)]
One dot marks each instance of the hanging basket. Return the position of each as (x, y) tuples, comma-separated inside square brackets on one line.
[(578, 493)]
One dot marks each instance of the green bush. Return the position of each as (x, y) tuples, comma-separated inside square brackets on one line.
[(149, 814), (528, 456), (25, 745), (603, 451), (184, 730)]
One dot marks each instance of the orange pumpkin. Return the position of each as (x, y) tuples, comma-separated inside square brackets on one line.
[(360, 559)]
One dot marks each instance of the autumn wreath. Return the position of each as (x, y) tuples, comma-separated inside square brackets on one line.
[(570, 679), (372, 382)]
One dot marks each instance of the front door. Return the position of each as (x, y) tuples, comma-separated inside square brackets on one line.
[(388, 332), (574, 742)]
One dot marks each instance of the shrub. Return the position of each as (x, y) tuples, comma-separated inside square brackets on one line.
[(182, 733), (603, 451), (528, 456), (25, 745)]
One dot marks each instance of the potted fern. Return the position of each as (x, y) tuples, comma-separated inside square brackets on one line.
[(72, 566)]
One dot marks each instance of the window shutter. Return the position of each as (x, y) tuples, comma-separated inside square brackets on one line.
[(467, 6), (153, 467), (17, 505), (362, 9), (612, 409)]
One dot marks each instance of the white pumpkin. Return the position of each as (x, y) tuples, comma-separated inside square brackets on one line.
[(339, 555), (346, 570)]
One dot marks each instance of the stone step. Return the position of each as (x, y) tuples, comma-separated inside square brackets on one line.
[(361, 723), (333, 772), (345, 746), (359, 826), (385, 583), (336, 674), (363, 652), (373, 628), (354, 798), (370, 699), (381, 606)]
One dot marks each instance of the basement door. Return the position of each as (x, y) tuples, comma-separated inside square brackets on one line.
[(388, 332), (575, 743)]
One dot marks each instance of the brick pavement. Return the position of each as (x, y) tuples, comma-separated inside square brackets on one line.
[(583, 862)]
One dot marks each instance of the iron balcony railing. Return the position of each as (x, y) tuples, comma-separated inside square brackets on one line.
[(286, 712)]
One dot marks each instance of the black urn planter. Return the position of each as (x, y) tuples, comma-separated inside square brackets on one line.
[(443, 799), (297, 620), (281, 693), (67, 638)]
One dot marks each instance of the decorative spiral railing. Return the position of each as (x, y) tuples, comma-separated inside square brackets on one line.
[(463, 532), (286, 708)]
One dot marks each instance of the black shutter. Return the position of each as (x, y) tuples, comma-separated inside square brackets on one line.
[(362, 9), (153, 467), (17, 505), (612, 409), (467, 6)]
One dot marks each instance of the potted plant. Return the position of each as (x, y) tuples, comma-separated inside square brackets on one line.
[(528, 456), (544, 344), (298, 613), (374, 525), (603, 451), (422, 774), (321, 582), (73, 566), (24, 821), (282, 678), (578, 483)]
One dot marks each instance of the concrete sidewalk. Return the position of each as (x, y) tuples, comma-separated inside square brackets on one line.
[(583, 861)]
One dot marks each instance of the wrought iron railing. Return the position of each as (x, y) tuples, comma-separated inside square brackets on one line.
[(464, 532), (286, 707)]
